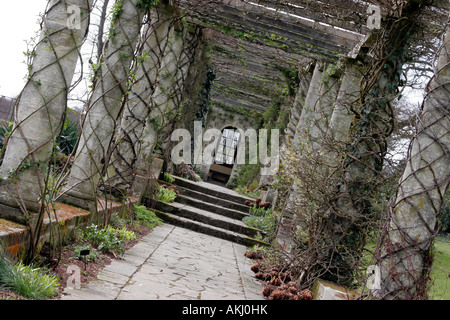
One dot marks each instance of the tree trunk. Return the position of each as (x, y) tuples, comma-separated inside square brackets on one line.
[(405, 259)]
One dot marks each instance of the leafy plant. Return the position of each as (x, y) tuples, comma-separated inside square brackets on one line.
[(146, 4), (259, 211), (167, 177), (27, 280), (5, 132), (166, 195), (109, 238), (118, 222), (93, 253), (266, 223), (68, 137), (146, 217)]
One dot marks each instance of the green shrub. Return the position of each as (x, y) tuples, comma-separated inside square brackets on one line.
[(146, 217), (109, 238), (167, 177), (266, 223), (93, 253), (247, 175), (117, 222), (27, 280), (166, 195), (68, 137), (255, 211), (5, 132)]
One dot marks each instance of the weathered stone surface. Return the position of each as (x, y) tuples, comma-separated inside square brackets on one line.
[(324, 290), (176, 263)]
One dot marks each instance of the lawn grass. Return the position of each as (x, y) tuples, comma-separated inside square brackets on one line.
[(440, 271)]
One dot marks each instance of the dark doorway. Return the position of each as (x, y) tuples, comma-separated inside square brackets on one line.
[(220, 170)]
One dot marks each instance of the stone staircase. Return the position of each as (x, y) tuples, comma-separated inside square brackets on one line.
[(208, 208)]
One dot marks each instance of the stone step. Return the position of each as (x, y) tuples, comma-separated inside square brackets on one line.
[(185, 192), (212, 190), (207, 217), (208, 229), (214, 207), (208, 208)]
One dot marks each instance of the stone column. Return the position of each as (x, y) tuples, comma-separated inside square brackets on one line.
[(285, 226), (41, 106), (167, 98), (341, 121), (326, 114), (405, 259), (296, 110), (348, 98), (104, 106), (128, 144), (162, 109)]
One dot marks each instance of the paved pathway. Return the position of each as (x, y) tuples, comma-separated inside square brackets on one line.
[(175, 263)]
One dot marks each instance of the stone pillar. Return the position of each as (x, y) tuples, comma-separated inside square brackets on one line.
[(324, 107), (41, 106), (167, 98), (104, 107), (341, 121), (348, 98), (285, 226), (163, 106), (296, 110), (405, 259), (311, 105), (155, 45)]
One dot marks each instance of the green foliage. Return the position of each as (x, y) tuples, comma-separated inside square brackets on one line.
[(146, 217), (292, 80), (262, 219), (94, 70), (146, 4), (444, 216), (247, 174), (266, 223), (109, 238), (93, 253), (118, 222), (255, 211), (204, 96), (167, 177), (5, 132), (271, 115), (27, 280), (116, 11), (165, 195), (68, 137)]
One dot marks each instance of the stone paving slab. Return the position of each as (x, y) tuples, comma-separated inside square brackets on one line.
[(175, 263)]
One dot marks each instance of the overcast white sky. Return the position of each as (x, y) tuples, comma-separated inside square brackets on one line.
[(18, 22)]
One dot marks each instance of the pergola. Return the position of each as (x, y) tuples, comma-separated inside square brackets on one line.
[(251, 41)]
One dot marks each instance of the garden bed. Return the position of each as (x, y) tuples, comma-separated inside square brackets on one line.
[(69, 255)]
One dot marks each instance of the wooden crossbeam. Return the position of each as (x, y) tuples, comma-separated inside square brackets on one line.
[(274, 39), (262, 26), (346, 14)]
